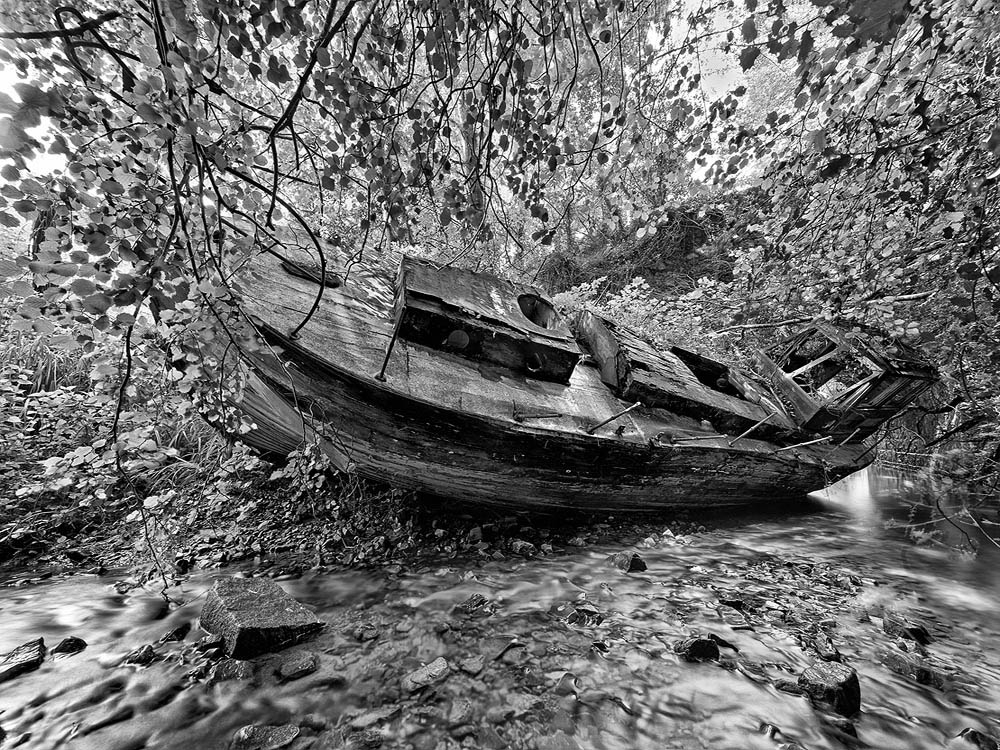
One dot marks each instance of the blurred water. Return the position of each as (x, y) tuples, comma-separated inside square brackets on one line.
[(833, 561)]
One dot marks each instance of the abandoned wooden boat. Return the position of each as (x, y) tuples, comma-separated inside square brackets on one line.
[(470, 387)]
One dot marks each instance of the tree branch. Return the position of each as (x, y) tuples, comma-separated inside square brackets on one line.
[(83, 28)]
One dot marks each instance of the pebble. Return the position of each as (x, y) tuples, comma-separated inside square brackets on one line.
[(833, 683), (298, 665), (974, 739), (521, 547), (900, 627), (697, 648), (472, 665), (255, 737), (25, 658), (231, 669), (141, 656), (436, 671), (70, 645), (627, 562)]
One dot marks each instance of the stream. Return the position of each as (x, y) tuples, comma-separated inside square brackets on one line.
[(557, 651)]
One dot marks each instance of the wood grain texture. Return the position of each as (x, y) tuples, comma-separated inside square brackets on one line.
[(463, 429)]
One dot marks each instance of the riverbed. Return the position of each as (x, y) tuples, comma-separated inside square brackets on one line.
[(558, 650)]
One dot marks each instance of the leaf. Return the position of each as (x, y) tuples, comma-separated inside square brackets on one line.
[(749, 30), (183, 27), (112, 187), (748, 56)]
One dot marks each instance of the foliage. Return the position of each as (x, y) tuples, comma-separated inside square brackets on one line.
[(194, 134)]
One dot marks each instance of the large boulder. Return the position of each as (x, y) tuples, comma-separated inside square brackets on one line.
[(833, 683), (24, 658), (255, 616)]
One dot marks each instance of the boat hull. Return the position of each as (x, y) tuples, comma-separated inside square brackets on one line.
[(393, 438)]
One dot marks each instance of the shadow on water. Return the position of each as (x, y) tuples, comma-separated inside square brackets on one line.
[(566, 652)]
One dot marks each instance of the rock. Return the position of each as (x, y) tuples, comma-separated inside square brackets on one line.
[(900, 627), (973, 738), (255, 737), (255, 616), (209, 643), (499, 714), (472, 665), (697, 648), (141, 656), (787, 686), (365, 632), (25, 658), (825, 648), (915, 666), (369, 738), (627, 562), (70, 645), (436, 671), (577, 541), (722, 642), (833, 683), (521, 547), (298, 665), (475, 535), (314, 722), (460, 712), (477, 604), (177, 634), (231, 669)]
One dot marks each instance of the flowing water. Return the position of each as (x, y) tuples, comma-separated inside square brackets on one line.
[(573, 653)]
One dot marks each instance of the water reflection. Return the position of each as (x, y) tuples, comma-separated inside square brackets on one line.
[(832, 562)]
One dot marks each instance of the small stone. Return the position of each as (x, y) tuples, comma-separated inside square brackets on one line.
[(477, 604), (577, 541), (298, 665), (230, 669), (436, 671), (475, 535), (787, 686), (365, 632), (916, 667), (546, 548), (697, 648), (141, 656), (973, 738), (369, 738), (314, 722), (627, 562), (70, 645), (722, 642), (255, 737), (209, 643), (833, 683), (825, 648), (177, 634), (460, 711), (900, 627), (521, 547), (472, 665), (499, 714), (25, 658), (255, 616)]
